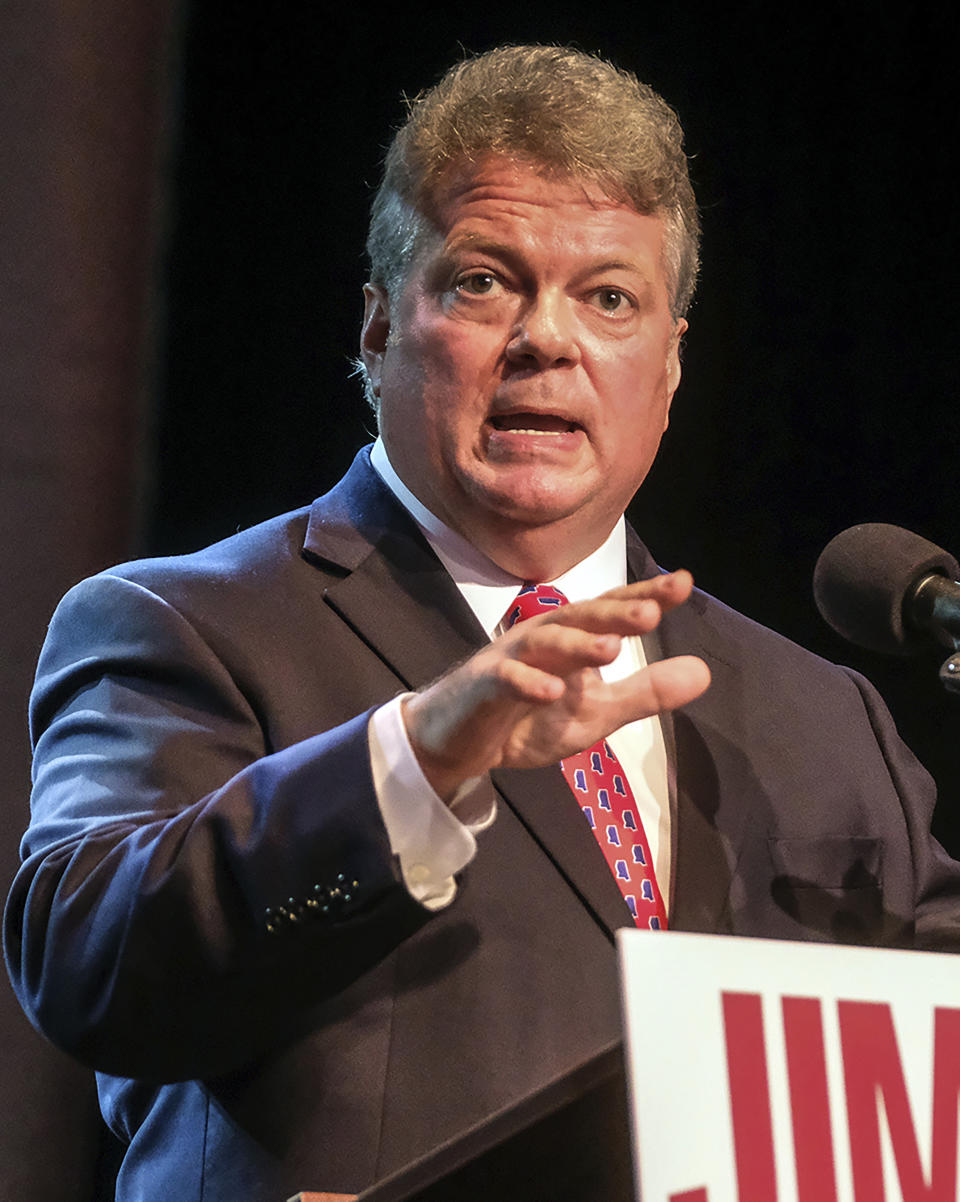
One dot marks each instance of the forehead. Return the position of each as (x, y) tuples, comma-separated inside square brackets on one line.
[(538, 210)]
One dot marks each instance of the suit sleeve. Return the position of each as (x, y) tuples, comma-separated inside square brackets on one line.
[(936, 875), (187, 892)]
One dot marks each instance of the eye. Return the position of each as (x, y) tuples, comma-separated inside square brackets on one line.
[(611, 300), (477, 283)]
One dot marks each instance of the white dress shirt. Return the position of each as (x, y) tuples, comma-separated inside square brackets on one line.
[(432, 840)]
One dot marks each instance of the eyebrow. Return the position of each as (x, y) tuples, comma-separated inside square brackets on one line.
[(617, 265), (469, 241), (510, 254)]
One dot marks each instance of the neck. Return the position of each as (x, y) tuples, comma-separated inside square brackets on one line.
[(540, 553)]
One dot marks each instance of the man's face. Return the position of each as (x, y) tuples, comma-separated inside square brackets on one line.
[(526, 370)]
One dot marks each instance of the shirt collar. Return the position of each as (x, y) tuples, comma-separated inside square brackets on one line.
[(488, 589)]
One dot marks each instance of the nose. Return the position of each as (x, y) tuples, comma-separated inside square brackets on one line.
[(545, 333)]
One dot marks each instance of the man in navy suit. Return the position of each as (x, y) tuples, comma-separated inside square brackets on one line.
[(304, 881)]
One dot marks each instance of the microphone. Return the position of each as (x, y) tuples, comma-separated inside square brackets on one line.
[(888, 590)]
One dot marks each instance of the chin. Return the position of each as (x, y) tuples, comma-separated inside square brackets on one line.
[(533, 504)]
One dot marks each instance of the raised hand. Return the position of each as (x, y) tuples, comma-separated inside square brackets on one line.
[(534, 695)]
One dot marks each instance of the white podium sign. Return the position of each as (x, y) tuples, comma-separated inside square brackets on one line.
[(764, 1071)]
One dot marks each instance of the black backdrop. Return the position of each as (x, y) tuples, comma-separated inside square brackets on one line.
[(820, 368)]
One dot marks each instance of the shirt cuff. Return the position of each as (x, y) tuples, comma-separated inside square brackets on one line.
[(431, 840)]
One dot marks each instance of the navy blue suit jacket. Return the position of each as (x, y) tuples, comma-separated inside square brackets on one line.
[(208, 912)]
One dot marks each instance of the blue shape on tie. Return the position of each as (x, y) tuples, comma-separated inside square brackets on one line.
[(580, 780), (631, 904), (596, 763), (621, 872), (654, 923), (607, 752), (603, 798), (618, 786), (628, 820), (588, 812), (613, 836), (646, 891), (638, 856)]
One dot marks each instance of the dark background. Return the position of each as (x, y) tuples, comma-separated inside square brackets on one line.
[(183, 198)]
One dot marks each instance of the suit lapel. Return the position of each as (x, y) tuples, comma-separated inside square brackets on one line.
[(542, 800), (393, 592), (413, 615), (709, 769)]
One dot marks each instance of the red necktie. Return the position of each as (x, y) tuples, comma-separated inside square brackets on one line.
[(603, 791)]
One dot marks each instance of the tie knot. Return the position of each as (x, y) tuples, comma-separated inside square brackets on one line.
[(533, 599)]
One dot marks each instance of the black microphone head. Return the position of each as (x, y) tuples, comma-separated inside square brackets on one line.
[(863, 577)]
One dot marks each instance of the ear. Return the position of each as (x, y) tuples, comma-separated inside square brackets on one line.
[(375, 331), (674, 369)]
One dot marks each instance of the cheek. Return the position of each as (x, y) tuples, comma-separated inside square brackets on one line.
[(441, 406), (460, 370), (638, 410)]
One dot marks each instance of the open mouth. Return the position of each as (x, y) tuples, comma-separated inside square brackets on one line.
[(533, 423)]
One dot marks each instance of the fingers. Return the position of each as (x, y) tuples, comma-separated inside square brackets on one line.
[(630, 610), (591, 709), (668, 589), (664, 685), (531, 684), (588, 634), (534, 695), (562, 649), (626, 616)]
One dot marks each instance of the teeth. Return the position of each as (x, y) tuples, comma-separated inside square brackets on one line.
[(546, 425), (552, 433)]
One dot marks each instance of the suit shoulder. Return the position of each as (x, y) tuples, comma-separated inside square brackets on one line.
[(264, 552), (246, 579), (743, 642)]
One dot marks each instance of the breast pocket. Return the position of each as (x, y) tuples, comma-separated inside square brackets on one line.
[(832, 888)]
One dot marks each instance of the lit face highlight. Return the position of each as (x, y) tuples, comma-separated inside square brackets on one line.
[(526, 370)]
